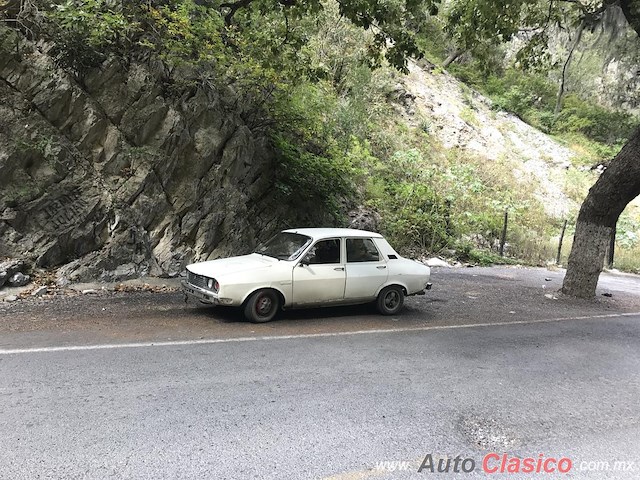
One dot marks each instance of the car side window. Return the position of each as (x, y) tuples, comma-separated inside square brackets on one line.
[(362, 250), (325, 251)]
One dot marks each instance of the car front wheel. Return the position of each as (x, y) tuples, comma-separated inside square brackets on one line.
[(262, 306), (390, 300)]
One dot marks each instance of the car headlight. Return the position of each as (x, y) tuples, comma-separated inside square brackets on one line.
[(212, 284)]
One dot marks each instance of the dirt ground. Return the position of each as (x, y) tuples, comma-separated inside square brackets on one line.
[(460, 296)]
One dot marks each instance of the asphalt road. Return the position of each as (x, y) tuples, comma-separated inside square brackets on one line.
[(340, 394)]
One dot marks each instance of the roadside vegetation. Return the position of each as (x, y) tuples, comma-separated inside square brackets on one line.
[(335, 122)]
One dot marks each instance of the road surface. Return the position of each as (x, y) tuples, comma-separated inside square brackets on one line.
[(149, 388)]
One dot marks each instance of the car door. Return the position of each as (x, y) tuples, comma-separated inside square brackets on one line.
[(365, 267), (319, 278)]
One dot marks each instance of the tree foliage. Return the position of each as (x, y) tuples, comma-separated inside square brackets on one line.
[(473, 22), (205, 30)]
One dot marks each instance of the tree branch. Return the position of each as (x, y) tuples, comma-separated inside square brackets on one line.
[(574, 45), (233, 8), (580, 5)]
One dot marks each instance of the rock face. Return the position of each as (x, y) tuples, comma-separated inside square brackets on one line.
[(364, 219), (113, 178)]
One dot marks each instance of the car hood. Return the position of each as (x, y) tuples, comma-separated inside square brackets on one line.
[(228, 266)]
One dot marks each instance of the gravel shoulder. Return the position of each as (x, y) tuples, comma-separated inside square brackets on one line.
[(158, 312)]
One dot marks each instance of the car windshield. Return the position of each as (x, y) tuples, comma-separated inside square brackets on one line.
[(284, 246)]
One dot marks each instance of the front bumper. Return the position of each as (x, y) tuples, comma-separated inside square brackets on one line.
[(199, 294)]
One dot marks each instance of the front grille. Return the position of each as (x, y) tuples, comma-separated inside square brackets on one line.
[(197, 280)]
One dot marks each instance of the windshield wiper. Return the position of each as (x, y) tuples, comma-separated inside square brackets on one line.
[(267, 255)]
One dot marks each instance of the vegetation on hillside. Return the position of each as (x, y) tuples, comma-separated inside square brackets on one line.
[(477, 24), (319, 78)]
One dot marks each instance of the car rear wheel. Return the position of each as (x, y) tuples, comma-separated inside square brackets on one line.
[(390, 300), (262, 306)]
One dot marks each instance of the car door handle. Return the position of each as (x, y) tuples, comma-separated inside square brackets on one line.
[(339, 269), (381, 267)]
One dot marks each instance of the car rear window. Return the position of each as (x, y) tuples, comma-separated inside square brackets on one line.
[(325, 251), (362, 250)]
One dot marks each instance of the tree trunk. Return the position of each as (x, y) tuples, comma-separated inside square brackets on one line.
[(586, 259), (453, 56), (611, 249), (616, 187)]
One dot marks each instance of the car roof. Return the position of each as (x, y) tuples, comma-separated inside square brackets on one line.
[(317, 233)]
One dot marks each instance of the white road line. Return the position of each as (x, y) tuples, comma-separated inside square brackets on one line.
[(175, 343)]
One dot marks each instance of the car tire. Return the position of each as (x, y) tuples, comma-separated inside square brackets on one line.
[(390, 300), (262, 306)]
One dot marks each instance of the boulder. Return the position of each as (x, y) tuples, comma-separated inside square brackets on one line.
[(19, 280), (38, 292), (11, 267), (437, 262), (364, 219)]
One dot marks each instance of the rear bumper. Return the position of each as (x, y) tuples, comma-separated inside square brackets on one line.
[(424, 291)]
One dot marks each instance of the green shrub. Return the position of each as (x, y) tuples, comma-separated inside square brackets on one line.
[(318, 183), (595, 122), (414, 214), (486, 258), (628, 231), (86, 31), (532, 97), (466, 251)]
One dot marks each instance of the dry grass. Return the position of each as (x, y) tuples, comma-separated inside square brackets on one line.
[(627, 259)]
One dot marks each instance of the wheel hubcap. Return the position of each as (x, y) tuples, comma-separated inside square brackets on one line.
[(263, 305), (391, 300)]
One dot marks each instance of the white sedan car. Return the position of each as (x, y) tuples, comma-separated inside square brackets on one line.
[(309, 267)]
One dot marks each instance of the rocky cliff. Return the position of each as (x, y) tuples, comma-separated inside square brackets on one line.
[(114, 178)]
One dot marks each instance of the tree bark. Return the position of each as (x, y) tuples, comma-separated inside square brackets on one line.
[(453, 56), (616, 187), (611, 249)]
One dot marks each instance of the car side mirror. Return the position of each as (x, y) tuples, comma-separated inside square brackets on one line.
[(304, 262)]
